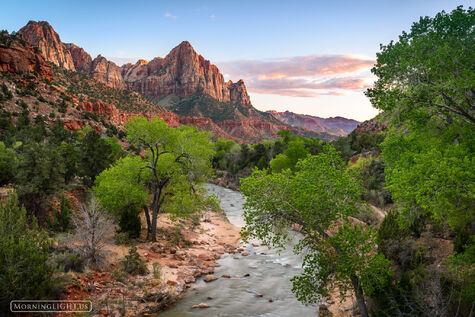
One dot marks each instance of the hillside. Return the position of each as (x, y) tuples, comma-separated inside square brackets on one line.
[(337, 126), (184, 82)]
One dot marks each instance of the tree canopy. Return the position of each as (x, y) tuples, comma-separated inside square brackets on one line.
[(321, 194), (174, 163)]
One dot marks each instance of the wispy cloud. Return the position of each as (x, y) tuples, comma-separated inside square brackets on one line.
[(303, 76), (212, 16), (170, 16)]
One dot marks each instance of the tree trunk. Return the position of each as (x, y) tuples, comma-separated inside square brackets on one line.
[(359, 296), (149, 225), (153, 230)]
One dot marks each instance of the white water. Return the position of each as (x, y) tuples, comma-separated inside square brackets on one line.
[(269, 271)]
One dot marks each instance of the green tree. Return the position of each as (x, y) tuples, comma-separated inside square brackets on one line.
[(96, 155), (428, 75), (122, 190), (7, 164), (320, 195), (39, 177), (24, 272), (177, 161), (425, 88)]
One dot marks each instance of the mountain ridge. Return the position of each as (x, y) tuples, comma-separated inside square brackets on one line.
[(338, 126), (182, 73)]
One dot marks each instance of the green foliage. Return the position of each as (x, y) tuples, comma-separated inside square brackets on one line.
[(428, 75), (7, 164), (123, 186), (24, 272), (133, 263), (61, 220), (431, 177), (177, 160), (97, 154), (129, 223), (39, 177), (321, 193)]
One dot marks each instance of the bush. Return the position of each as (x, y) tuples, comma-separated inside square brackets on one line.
[(129, 223), (133, 263), (24, 273), (157, 270), (67, 260), (61, 220), (93, 229), (122, 238)]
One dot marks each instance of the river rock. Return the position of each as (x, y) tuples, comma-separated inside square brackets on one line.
[(226, 276), (209, 278), (200, 305), (244, 254)]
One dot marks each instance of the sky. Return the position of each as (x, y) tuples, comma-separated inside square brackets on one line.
[(310, 57)]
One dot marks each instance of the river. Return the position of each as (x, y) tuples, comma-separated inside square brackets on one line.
[(269, 275)]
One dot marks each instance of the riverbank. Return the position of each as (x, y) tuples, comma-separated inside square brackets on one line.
[(174, 262)]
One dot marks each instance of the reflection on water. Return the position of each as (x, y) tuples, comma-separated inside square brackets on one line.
[(269, 276)]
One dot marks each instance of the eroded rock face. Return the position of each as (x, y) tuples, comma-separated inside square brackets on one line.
[(238, 93), (41, 34), (19, 58), (182, 72), (82, 60), (107, 72)]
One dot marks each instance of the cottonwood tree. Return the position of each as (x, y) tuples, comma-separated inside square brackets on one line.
[(320, 196), (175, 162), (428, 74), (426, 90)]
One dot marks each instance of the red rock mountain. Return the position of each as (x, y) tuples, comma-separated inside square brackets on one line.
[(17, 56), (182, 74), (338, 126), (41, 35)]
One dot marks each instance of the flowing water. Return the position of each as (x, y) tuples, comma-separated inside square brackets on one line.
[(269, 275)]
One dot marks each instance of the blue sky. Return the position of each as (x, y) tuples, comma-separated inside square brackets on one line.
[(304, 56)]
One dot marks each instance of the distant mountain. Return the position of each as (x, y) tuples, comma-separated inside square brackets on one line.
[(336, 126), (183, 82)]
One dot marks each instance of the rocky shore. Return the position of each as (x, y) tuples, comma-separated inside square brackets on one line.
[(173, 268)]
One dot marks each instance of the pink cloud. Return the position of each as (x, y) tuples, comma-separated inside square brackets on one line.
[(298, 66), (303, 76)]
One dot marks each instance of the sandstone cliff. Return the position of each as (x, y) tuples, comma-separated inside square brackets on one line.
[(184, 82), (183, 72), (82, 60), (107, 72), (16, 56), (41, 35)]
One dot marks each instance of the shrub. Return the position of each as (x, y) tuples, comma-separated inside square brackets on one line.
[(129, 223), (67, 260), (24, 273), (157, 270), (61, 220), (93, 229), (133, 263)]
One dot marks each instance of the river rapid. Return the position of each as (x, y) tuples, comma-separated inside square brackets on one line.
[(269, 275)]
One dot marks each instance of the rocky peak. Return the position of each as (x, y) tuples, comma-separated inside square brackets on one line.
[(238, 93), (183, 72), (82, 60), (107, 72), (42, 35)]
